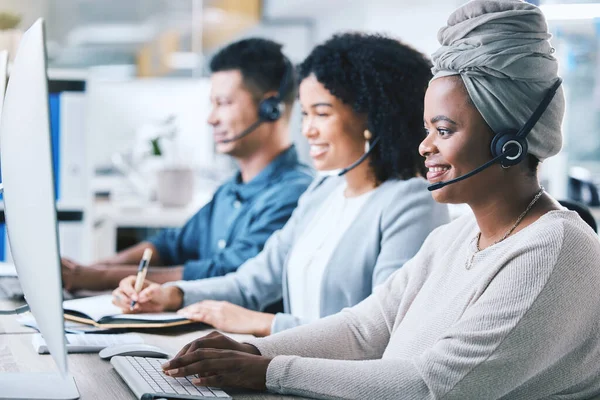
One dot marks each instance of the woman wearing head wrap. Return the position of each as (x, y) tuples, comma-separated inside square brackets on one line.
[(501, 304)]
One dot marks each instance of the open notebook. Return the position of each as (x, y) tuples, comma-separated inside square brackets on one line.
[(99, 311)]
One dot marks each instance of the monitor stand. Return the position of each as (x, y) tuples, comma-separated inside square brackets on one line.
[(37, 386)]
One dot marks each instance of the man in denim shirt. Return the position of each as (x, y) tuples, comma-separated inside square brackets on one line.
[(234, 226)]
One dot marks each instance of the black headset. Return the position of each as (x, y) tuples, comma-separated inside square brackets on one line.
[(271, 108), (512, 142), (509, 147)]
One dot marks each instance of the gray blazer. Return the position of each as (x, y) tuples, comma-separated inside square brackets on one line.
[(388, 231)]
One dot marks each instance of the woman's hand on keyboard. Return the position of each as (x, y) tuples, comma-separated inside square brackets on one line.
[(216, 340), (220, 361)]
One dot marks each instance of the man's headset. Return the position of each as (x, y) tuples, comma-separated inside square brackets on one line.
[(271, 108), (509, 147)]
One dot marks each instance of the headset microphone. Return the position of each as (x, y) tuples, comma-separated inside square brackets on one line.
[(361, 159), (509, 147), (271, 108), (477, 170), (245, 132)]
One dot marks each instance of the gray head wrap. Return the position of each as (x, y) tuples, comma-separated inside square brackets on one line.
[(501, 50)]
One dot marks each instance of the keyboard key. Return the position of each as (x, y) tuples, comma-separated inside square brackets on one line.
[(166, 388), (192, 389), (181, 390), (154, 386), (149, 369)]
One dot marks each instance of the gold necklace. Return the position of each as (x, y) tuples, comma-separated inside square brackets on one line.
[(469, 263)]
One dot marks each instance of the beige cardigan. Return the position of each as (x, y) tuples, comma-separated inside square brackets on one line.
[(523, 323)]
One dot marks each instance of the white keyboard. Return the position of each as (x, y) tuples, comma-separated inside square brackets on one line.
[(144, 375), (88, 343), (10, 288)]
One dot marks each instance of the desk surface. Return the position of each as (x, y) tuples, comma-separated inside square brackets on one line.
[(95, 378)]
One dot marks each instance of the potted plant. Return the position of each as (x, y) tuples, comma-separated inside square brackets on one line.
[(9, 34)]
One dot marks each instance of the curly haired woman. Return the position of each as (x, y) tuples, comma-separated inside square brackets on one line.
[(360, 95)]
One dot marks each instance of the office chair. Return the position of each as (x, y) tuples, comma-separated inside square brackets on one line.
[(582, 210)]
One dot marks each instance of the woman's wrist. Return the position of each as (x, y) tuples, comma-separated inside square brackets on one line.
[(174, 297), (264, 322), (265, 362), (250, 349)]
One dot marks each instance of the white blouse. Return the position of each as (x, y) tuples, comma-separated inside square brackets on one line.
[(312, 251)]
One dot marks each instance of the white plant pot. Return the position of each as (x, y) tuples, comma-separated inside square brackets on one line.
[(175, 186)]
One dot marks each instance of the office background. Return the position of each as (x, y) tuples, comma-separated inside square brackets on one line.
[(128, 76)]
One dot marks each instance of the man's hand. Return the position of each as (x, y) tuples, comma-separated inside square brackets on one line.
[(220, 361), (229, 317), (76, 276), (153, 298)]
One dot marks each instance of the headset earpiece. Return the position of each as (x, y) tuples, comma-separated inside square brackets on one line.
[(514, 146), (270, 109), (508, 142)]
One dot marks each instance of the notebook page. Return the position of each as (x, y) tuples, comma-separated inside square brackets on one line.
[(158, 317), (95, 307), (98, 307)]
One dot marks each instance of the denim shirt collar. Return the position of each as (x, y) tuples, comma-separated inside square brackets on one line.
[(246, 190)]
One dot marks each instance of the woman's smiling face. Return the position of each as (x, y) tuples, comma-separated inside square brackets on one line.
[(334, 131), (458, 141)]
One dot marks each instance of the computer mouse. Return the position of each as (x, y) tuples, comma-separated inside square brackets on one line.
[(138, 350)]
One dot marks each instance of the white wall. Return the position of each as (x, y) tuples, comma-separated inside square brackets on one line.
[(414, 22), (352, 16), (116, 110)]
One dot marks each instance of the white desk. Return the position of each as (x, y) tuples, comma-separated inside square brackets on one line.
[(95, 378)]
